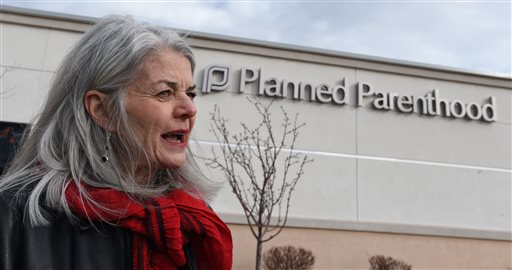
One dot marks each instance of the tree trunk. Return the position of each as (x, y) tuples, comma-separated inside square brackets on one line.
[(258, 255)]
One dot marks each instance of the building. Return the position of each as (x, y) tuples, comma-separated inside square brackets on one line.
[(411, 161)]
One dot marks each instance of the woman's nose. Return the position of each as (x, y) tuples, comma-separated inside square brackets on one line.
[(185, 106)]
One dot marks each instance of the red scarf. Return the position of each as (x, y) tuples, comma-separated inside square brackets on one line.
[(161, 227)]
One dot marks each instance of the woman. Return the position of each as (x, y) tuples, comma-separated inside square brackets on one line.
[(104, 179)]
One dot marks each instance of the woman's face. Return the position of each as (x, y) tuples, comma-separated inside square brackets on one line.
[(161, 109)]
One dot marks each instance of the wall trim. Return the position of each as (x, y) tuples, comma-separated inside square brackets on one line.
[(380, 227), (382, 158)]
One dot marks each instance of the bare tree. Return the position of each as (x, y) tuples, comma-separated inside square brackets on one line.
[(269, 165)]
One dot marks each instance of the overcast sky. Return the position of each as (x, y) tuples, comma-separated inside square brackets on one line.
[(468, 35)]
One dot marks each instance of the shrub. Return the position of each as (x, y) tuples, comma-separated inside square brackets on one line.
[(288, 258), (379, 262)]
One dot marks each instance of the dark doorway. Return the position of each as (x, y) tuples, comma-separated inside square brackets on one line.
[(10, 136)]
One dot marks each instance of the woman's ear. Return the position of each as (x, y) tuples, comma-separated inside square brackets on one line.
[(95, 103)]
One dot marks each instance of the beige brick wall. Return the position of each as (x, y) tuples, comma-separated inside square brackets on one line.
[(334, 249)]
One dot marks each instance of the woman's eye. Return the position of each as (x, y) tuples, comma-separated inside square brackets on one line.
[(165, 93), (191, 95)]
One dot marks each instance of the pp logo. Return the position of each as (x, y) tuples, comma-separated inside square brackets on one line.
[(216, 78)]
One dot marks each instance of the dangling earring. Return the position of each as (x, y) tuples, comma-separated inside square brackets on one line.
[(104, 158)]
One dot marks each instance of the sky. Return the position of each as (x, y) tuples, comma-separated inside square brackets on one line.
[(467, 35)]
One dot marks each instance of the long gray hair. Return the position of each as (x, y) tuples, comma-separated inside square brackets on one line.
[(64, 144)]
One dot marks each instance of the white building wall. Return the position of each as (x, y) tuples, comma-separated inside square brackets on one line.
[(29, 57), (377, 168)]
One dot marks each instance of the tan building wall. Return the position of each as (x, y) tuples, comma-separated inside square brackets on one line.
[(338, 249)]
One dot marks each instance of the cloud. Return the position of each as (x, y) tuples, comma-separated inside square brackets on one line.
[(468, 35)]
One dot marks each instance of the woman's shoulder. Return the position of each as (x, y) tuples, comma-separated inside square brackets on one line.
[(12, 205), (11, 202), (10, 219), (13, 208), (62, 242)]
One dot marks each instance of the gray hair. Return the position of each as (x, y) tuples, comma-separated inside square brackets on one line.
[(64, 144)]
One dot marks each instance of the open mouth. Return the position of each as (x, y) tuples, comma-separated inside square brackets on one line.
[(174, 137)]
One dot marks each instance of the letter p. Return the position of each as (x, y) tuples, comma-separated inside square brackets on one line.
[(215, 78), (363, 90)]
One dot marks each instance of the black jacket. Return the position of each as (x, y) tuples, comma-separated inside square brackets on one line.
[(61, 245), (65, 244)]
